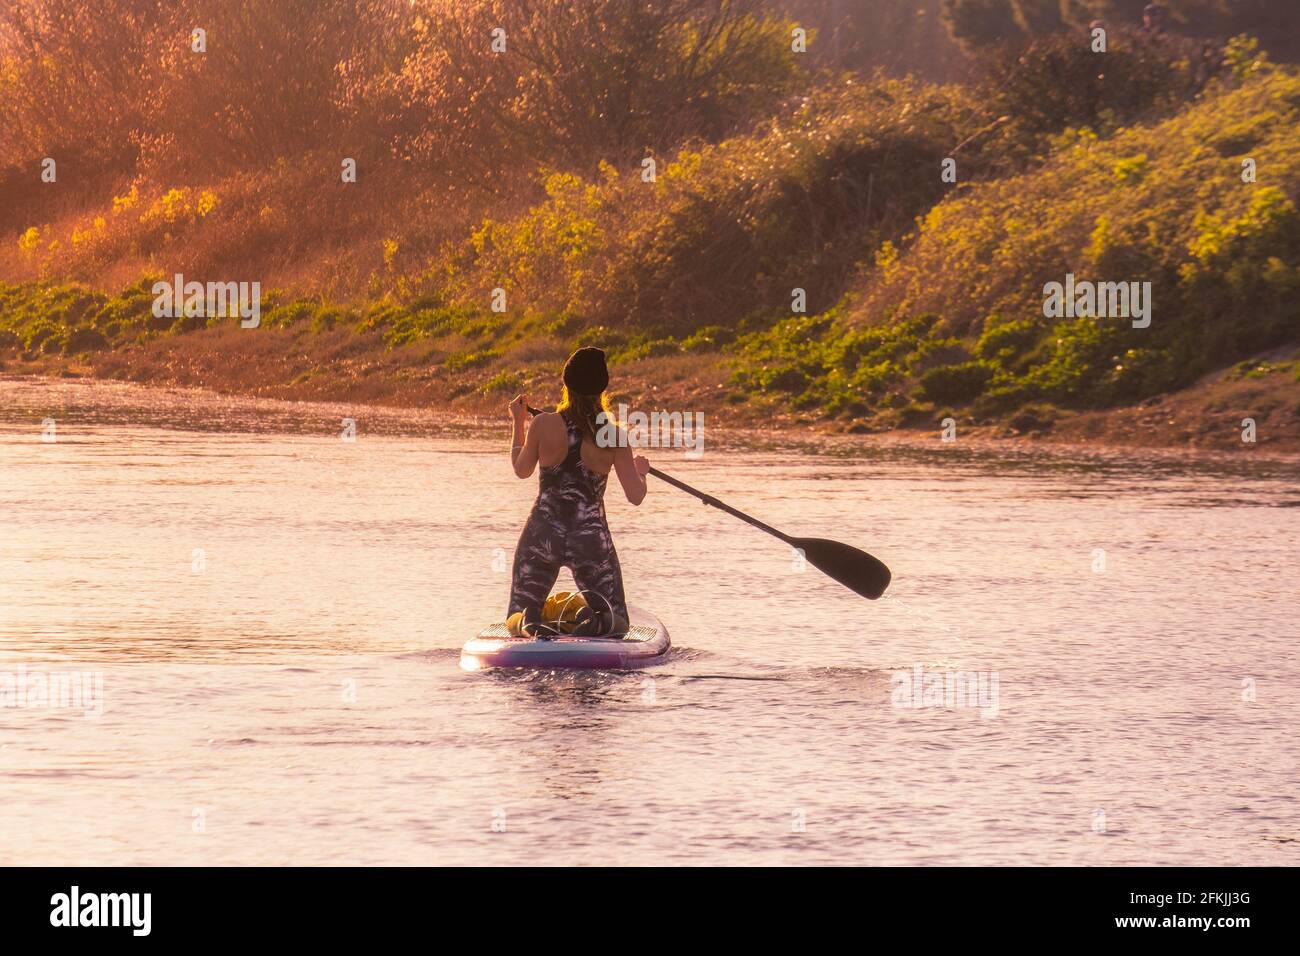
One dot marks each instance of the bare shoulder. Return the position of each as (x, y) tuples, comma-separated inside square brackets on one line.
[(550, 427), (549, 422)]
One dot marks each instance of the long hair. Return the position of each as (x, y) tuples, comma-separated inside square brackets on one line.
[(584, 410)]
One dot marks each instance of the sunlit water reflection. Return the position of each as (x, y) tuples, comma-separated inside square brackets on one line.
[(276, 614)]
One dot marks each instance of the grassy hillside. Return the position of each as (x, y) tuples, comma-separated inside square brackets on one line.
[(952, 320), (921, 299)]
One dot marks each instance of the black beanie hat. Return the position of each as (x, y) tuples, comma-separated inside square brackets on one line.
[(585, 373)]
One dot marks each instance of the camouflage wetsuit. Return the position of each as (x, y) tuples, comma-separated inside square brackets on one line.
[(567, 528)]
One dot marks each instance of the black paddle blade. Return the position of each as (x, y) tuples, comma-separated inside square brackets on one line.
[(856, 570)]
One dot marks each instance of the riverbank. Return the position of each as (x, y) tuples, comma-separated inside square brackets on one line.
[(924, 309), (341, 367)]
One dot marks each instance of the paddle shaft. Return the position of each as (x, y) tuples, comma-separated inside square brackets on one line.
[(707, 499), (715, 503), (855, 569)]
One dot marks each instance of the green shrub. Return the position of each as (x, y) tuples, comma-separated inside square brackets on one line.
[(84, 339), (956, 384), (601, 336), (1006, 394), (1034, 417), (646, 349), (54, 344), (39, 332), (508, 382), (459, 361), (934, 353), (283, 316), (710, 338), (823, 364), (124, 310), (1258, 369), (1004, 340), (403, 327), (327, 318)]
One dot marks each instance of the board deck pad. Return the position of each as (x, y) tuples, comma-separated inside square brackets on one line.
[(637, 632), (645, 643)]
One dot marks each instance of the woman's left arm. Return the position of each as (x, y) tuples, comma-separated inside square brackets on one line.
[(523, 450)]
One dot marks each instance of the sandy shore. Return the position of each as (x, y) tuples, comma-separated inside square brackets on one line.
[(1210, 415)]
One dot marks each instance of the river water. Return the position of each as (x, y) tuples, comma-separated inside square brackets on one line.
[(272, 614)]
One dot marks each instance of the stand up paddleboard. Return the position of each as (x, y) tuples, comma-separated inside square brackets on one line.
[(646, 643)]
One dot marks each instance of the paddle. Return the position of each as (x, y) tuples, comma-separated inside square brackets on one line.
[(856, 570)]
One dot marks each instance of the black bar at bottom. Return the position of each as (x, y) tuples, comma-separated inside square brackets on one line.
[(928, 907)]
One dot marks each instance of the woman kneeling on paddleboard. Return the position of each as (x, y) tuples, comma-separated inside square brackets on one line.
[(567, 526)]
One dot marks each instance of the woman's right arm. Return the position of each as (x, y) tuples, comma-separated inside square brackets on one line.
[(523, 450), (631, 470)]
